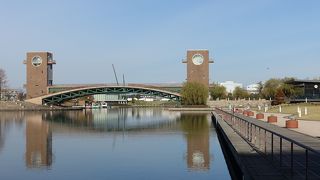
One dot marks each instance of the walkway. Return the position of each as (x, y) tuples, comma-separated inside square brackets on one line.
[(308, 127), (296, 155)]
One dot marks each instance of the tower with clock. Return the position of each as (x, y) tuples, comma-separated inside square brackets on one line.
[(198, 66), (39, 73)]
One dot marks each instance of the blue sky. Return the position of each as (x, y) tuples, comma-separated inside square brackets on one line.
[(250, 40)]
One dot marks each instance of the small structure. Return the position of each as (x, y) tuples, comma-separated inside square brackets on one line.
[(293, 123), (272, 119), (310, 90), (260, 116), (250, 113), (253, 88), (231, 86)]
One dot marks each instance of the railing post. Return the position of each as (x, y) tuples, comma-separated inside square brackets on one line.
[(239, 129), (251, 133), (280, 151), (291, 159), (242, 127), (265, 142), (272, 146), (248, 130), (307, 163), (259, 138), (255, 135)]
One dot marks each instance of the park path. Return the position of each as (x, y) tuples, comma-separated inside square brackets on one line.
[(311, 128), (285, 149)]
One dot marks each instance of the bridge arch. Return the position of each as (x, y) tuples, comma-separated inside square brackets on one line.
[(60, 97)]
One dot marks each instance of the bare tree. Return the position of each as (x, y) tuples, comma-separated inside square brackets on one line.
[(3, 81)]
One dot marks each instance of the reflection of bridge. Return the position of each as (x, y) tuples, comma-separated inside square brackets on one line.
[(114, 119), (60, 97)]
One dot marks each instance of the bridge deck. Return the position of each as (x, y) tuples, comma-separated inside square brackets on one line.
[(280, 147), (62, 96)]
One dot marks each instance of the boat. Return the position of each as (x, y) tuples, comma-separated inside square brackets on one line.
[(104, 105)]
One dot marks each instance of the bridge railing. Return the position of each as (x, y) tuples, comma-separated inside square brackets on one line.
[(293, 158)]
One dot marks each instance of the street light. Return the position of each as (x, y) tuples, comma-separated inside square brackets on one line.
[(315, 88)]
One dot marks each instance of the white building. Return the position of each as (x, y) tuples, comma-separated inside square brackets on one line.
[(230, 86), (253, 88), (109, 98)]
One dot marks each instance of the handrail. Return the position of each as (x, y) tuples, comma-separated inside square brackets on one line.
[(244, 127), (284, 137)]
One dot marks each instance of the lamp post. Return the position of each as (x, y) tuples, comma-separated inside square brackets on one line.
[(315, 90)]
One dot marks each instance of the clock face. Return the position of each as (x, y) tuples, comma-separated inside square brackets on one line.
[(36, 61), (197, 59)]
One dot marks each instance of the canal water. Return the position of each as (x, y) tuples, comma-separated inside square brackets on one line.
[(118, 143)]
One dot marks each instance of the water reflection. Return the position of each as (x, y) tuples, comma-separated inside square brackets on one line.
[(184, 140), (196, 127), (38, 142), (7, 120), (197, 130), (117, 119), (2, 134)]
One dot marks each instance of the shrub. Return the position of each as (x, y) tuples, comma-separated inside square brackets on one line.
[(218, 91), (194, 93)]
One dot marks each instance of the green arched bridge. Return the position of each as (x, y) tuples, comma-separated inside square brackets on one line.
[(60, 97)]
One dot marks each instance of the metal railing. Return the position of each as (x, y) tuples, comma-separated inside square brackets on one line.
[(295, 159)]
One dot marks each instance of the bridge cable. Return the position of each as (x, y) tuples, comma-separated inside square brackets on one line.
[(115, 74)]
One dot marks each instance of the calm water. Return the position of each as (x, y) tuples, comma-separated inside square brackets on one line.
[(120, 143)]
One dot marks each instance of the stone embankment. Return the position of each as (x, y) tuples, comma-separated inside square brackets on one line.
[(25, 106), (239, 103)]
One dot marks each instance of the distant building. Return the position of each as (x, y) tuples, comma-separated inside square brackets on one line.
[(10, 94), (231, 86), (109, 98), (253, 88), (310, 90)]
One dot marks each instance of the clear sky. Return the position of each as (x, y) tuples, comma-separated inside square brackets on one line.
[(250, 40)]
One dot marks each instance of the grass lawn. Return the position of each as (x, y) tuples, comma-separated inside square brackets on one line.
[(313, 110)]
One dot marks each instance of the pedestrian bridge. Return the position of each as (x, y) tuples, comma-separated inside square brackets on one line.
[(60, 97)]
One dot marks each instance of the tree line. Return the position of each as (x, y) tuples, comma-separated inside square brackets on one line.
[(4, 95), (278, 90), (3, 81), (274, 89)]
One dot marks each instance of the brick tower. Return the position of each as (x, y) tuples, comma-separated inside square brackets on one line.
[(39, 73), (198, 66)]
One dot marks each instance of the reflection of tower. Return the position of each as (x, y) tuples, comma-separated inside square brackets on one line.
[(198, 134), (39, 73), (38, 142)]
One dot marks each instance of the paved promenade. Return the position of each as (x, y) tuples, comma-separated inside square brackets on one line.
[(308, 127), (296, 155), (251, 163)]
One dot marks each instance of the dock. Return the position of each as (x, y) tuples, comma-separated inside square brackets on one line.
[(266, 151)]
